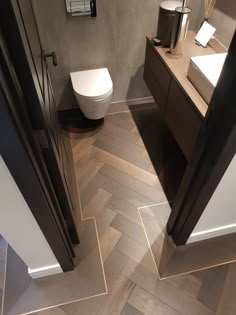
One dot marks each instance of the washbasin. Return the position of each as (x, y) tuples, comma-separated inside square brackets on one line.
[(204, 73)]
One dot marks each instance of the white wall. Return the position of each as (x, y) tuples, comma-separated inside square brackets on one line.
[(219, 217), (19, 227)]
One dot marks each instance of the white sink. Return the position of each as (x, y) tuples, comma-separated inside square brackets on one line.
[(204, 72)]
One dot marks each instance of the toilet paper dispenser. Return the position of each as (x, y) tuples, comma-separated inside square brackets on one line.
[(81, 8)]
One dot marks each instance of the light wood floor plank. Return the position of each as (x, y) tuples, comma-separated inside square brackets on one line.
[(83, 145), (148, 304), (179, 300), (108, 241), (130, 310), (212, 287), (88, 190), (125, 208), (125, 154), (122, 192), (96, 204), (130, 229), (154, 194), (126, 167), (227, 304), (104, 219), (136, 252)]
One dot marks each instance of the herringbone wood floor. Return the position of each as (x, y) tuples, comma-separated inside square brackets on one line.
[(115, 177)]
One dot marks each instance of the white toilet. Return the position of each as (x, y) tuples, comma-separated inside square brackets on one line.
[(93, 90)]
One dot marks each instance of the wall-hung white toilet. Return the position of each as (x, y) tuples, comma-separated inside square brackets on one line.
[(93, 90)]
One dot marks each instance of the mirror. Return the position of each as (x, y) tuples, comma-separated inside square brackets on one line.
[(81, 8)]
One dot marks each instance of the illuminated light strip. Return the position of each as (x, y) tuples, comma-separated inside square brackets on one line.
[(207, 234), (95, 223), (149, 245), (133, 100), (153, 205), (66, 303), (44, 271), (4, 280), (127, 111), (222, 228)]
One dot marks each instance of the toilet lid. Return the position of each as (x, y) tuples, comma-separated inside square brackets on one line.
[(91, 84)]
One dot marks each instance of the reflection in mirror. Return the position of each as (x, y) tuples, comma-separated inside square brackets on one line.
[(81, 7)]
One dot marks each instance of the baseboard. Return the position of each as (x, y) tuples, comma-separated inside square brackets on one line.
[(125, 106), (45, 271), (207, 234), (135, 101)]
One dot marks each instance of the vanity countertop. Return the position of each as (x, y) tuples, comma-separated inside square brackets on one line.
[(178, 65)]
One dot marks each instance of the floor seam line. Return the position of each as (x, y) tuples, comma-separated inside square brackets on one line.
[(153, 205), (70, 302), (129, 110), (4, 280), (149, 245), (99, 247)]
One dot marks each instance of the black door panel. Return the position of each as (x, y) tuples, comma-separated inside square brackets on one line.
[(26, 52)]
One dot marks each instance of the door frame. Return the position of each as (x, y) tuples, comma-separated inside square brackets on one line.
[(16, 110), (17, 42), (212, 154), (24, 165)]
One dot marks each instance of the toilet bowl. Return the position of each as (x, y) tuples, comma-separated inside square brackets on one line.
[(93, 91)]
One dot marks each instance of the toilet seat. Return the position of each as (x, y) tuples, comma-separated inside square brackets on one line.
[(97, 98), (92, 84)]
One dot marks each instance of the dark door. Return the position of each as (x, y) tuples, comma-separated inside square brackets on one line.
[(21, 34)]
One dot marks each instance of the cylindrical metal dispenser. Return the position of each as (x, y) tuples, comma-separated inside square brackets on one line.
[(166, 21)]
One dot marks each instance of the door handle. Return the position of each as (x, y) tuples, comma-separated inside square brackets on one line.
[(51, 55)]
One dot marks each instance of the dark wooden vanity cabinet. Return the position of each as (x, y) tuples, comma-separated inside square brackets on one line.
[(181, 106), (157, 77), (182, 119)]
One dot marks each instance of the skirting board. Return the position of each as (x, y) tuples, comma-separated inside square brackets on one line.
[(207, 234), (125, 106), (136, 101), (44, 271)]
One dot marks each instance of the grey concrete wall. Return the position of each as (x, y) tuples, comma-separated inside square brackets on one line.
[(224, 20), (115, 39)]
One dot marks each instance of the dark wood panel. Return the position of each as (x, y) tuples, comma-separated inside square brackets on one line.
[(155, 88), (160, 73), (40, 104), (182, 119)]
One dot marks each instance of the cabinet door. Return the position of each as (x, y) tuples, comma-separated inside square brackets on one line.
[(156, 76), (182, 119), (154, 88)]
